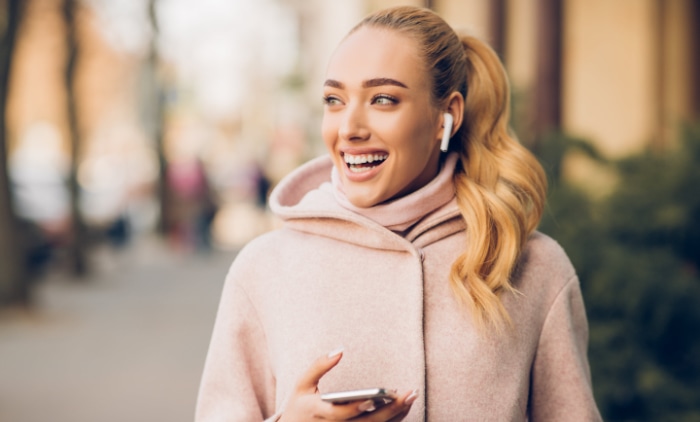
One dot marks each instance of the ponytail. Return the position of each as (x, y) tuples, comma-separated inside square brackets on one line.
[(500, 187)]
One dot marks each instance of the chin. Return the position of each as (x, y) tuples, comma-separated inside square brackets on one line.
[(363, 200)]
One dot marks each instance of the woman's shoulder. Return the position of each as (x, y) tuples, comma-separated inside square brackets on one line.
[(265, 246), (545, 259), (543, 272), (268, 253), (542, 245)]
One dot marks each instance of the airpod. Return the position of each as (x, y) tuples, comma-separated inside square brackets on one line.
[(447, 132)]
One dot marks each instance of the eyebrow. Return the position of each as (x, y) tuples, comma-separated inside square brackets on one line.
[(369, 83), (382, 81)]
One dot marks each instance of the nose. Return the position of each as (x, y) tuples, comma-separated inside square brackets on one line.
[(353, 124)]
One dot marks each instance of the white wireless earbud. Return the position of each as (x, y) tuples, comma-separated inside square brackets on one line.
[(447, 132)]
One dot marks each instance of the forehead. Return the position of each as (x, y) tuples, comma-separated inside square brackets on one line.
[(373, 52)]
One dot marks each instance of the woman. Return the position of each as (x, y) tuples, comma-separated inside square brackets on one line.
[(411, 246)]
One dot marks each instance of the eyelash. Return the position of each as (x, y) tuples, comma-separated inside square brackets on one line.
[(391, 99), (331, 100), (328, 100)]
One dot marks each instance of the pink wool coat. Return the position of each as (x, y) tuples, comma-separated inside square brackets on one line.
[(332, 278)]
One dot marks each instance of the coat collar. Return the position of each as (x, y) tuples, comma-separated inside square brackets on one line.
[(304, 201)]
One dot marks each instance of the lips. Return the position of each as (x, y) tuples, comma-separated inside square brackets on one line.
[(360, 163)]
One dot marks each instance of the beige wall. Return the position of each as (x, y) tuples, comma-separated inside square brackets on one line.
[(610, 73), (520, 52), (470, 15)]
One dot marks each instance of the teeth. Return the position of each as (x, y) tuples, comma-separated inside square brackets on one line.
[(361, 169), (364, 158)]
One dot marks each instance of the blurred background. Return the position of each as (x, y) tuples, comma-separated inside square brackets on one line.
[(139, 140)]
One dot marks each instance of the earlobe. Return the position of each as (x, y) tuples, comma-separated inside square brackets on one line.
[(446, 132)]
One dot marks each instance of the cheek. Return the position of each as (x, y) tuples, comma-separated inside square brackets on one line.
[(412, 127), (329, 131), (417, 140)]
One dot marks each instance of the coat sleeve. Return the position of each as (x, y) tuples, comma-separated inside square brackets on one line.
[(237, 383), (561, 381)]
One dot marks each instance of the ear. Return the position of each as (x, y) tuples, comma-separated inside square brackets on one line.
[(454, 111), (455, 106)]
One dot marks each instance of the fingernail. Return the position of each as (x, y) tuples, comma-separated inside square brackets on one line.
[(412, 397), (366, 406), (335, 352)]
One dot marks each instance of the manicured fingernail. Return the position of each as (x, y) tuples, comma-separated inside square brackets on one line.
[(366, 406), (412, 397), (335, 352)]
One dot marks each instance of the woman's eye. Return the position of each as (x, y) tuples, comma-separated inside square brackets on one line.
[(384, 100), (331, 101)]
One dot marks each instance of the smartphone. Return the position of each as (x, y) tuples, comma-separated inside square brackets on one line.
[(379, 395)]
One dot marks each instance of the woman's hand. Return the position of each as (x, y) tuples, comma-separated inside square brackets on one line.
[(306, 404)]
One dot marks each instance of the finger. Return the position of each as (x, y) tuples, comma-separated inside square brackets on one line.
[(309, 380), (407, 404), (400, 416), (395, 411), (345, 411)]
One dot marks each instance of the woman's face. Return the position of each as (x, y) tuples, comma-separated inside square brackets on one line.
[(379, 123)]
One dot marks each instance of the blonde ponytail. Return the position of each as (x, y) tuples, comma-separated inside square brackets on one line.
[(500, 185)]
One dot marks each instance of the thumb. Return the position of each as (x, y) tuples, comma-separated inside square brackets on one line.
[(309, 380)]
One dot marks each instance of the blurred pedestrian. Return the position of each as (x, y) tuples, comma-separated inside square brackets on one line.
[(410, 250), (193, 205)]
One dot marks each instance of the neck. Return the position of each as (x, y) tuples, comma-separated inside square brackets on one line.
[(402, 213)]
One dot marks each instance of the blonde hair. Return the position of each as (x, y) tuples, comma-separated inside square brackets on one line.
[(500, 186)]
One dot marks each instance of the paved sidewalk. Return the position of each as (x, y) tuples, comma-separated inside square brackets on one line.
[(126, 345)]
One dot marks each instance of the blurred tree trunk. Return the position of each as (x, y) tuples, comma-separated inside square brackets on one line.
[(547, 107), (157, 116), (497, 26), (660, 137), (77, 259), (14, 280), (695, 59)]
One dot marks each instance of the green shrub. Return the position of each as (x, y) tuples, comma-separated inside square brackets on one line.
[(637, 252)]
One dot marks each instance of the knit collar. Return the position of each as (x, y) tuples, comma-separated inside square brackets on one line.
[(402, 213)]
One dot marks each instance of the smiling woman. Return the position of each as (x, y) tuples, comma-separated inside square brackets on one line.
[(412, 245)]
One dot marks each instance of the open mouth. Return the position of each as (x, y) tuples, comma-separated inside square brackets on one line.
[(364, 162)]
